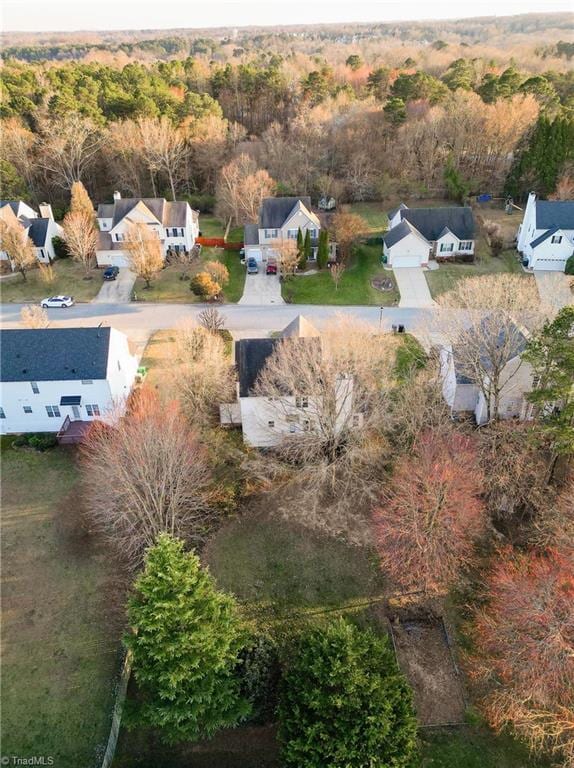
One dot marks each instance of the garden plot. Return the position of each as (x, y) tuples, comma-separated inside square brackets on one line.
[(424, 655)]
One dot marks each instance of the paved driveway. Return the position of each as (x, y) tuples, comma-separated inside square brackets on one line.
[(554, 289), (118, 291), (413, 287), (261, 289)]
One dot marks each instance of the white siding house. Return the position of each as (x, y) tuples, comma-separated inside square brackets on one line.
[(280, 218), (52, 373), (175, 224), (416, 235), (545, 239), (40, 228)]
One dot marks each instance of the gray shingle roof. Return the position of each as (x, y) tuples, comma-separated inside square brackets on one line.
[(396, 234), (274, 210), (123, 206), (251, 234), (38, 231), (393, 213), (431, 222), (250, 357), (174, 214), (54, 354), (105, 211), (555, 213)]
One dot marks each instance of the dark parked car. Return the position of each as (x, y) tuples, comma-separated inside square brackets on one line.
[(271, 268), (111, 273), (252, 268)]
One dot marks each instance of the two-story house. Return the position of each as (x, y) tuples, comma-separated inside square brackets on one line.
[(416, 235), (51, 375), (40, 228), (280, 218), (545, 239), (175, 224)]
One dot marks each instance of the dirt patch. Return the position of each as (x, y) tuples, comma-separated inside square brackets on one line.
[(383, 284), (424, 657)]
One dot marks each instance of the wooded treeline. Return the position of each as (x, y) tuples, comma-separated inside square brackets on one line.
[(354, 130)]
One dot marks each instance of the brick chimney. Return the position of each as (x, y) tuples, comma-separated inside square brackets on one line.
[(46, 211)]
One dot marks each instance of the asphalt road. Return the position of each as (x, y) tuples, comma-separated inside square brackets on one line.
[(139, 320)]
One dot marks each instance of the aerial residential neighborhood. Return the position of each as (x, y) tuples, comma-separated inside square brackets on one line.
[(287, 386)]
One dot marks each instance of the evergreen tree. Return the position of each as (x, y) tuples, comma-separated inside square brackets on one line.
[(551, 355), (185, 643), (395, 110), (300, 247), (323, 249), (344, 702), (457, 187), (307, 251)]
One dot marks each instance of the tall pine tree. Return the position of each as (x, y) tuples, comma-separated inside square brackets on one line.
[(185, 642)]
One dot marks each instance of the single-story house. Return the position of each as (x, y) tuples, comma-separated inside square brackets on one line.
[(175, 224), (416, 235), (545, 239), (49, 375)]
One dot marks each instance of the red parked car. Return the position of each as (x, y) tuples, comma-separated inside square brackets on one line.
[(271, 268)]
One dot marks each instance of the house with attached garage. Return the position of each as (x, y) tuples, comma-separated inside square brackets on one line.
[(280, 218), (51, 378), (266, 421), (545, 239), (175, 224), (465, 394), (417, 235), (40, 227)]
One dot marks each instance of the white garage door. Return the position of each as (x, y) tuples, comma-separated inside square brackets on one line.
[(552, 265), (405, 261), (113, 260)]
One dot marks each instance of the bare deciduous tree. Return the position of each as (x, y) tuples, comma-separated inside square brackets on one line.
[(432, 514), (144, 475), (218, 272), (241, 187), (347, 228), (80, 200), (34, 316), (491, 333), (69, 146), (164, 149), (337, 273), (211, 319), (81, 236), (287, 255), (144, 247), (18, 247)]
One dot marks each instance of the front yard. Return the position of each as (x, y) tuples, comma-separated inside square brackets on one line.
[(354, 288), (68, 281), (445, 277), (60, 640)]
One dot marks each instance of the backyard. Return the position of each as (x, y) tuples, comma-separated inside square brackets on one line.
[(284, 576), (68, 280), (60, 629)]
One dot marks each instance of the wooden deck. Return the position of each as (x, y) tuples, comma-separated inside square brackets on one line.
[(72, 432)]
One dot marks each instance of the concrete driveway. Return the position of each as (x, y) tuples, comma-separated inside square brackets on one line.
[(554, 289), (413, 287), (261, 289), (118, 291)]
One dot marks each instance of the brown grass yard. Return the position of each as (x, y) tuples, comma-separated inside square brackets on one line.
[(60, 615), (68, 281)]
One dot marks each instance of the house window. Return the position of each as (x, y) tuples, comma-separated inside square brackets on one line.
[(446, 247), (292, 234), (34, 386), (120, 237), (271, 424), (119, 366), (27, 409), (556, 239), (2, 414), (87, 381), (53, 411), (93, 410), (465, 245), (306, 425), (313, 234), (302, 402), (271, 233)]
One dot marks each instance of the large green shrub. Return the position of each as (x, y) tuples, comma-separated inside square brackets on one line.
[(185, 642), (569, 269), (344, 703)]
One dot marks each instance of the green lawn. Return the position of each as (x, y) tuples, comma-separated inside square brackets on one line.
[(355, 285), (59, 651), (168, 286), (211, 226), (444, 278), (375, 214), (475, 747), (68, 280)]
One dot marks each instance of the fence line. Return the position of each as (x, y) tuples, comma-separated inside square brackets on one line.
[(218, 242), (117, 713)]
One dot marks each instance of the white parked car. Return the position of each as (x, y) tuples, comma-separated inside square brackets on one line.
[(57, 302)]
